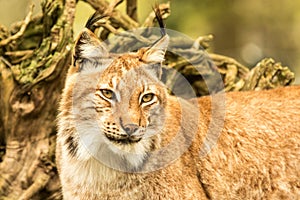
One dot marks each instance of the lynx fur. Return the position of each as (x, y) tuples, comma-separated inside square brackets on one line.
[(122, 136)]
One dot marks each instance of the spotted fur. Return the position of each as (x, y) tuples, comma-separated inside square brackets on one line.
[(100, 155)]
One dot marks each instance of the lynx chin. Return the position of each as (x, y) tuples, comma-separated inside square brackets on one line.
[(122, 136)]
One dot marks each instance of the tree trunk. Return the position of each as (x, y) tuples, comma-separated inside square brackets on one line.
[(33, 65)]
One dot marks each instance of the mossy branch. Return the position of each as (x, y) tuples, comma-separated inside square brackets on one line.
[(22, 29)]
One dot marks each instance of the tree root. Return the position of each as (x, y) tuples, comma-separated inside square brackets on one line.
[(22, 29)]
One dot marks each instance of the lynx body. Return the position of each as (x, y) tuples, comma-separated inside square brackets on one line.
[(122, 136)]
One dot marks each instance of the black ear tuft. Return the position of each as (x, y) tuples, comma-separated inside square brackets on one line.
[(156, 53), (90, 24), (160, 20), (87, 45)]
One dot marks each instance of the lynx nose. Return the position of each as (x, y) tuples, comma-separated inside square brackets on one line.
[(130, 128)]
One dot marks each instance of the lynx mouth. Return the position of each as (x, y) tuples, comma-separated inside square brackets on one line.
[(123, 140)]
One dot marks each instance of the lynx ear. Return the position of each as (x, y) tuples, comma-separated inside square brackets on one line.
[(155, 53), (88, 46)]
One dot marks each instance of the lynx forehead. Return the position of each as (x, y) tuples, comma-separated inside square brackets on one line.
[(126, 70)]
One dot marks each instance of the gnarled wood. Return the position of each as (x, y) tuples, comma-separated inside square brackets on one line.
[(30, 90)]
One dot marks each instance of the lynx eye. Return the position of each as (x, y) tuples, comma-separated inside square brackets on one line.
[(147, 98), (107, 93)]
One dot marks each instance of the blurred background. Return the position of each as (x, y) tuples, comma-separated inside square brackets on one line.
[(245, 30)]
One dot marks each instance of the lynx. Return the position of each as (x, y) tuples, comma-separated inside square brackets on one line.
[(122, 136)]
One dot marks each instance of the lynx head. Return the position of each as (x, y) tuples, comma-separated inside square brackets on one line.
[(118, 100)]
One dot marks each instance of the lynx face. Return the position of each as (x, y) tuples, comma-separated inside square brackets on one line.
[(124, 102), (129, 102)]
